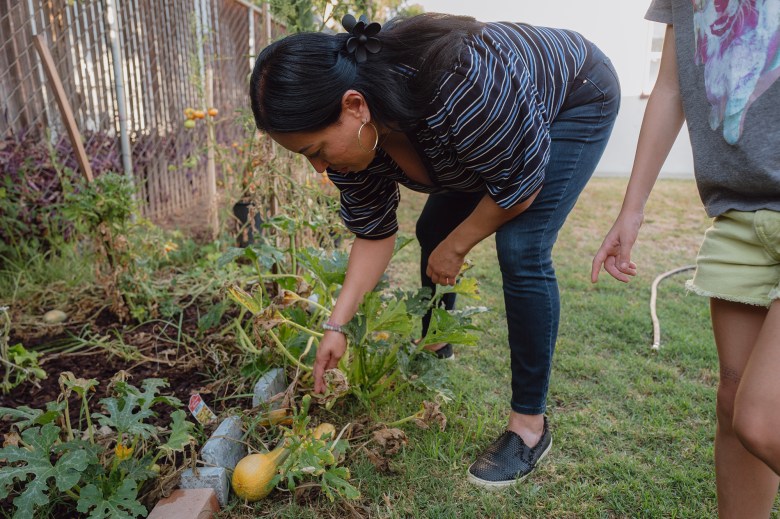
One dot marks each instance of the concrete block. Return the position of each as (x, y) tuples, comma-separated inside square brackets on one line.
[(224, 448), (215, 478), (196, 503), (270, 384)]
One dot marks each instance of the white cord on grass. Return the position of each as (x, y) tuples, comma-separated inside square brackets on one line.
[(653, 297)]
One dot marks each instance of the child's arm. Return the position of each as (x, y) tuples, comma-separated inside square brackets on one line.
[(660, 125)]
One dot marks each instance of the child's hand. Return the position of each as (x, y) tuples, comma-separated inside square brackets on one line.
[(615, 251)]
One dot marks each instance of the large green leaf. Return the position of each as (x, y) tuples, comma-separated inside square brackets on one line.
[(468, 287), (417, 303), (122, 504), (131, 407), (264, 254), (181, 432), (34, 462), (138, 470), (337, 478), (421, 369), (386, 316), (230, 256), (449, 327), (148, 395), (126, 416), (329, 268), (25, 416)]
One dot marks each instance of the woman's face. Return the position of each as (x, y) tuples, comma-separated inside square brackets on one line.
[(336, 146)]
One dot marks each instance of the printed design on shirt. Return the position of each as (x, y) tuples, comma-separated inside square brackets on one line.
[(738, 42)]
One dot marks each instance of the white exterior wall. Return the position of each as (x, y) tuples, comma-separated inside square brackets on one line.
[(619, 29), (619, 155)]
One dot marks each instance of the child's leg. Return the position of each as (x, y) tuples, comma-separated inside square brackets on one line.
[(746, 485), (756, 416)]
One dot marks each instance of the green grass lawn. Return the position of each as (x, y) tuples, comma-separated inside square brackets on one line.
[(632, 427)]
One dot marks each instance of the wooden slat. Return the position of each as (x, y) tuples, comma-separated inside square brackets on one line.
[(64, 106)]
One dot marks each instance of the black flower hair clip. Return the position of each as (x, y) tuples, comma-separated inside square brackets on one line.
[(363, 39)]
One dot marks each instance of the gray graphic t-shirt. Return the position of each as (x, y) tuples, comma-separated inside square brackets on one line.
[(728, 57)]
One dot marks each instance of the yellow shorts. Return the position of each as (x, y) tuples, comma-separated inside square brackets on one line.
[(739, 259)]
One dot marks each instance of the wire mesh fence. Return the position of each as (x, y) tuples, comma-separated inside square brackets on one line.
[(129, 69)]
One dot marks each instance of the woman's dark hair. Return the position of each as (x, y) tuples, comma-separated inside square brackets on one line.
[(298, 82)]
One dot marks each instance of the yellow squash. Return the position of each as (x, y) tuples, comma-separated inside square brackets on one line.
[(276, 417), (324, 429), (253, 474)]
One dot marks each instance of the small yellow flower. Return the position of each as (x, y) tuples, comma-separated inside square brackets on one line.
[(122, 452), (170, 246)]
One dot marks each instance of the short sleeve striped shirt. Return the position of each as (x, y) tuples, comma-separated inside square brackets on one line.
[(487, 128)]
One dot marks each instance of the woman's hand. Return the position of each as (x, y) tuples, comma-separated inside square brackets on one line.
[(615, 251), (444, 264), (329, 352)]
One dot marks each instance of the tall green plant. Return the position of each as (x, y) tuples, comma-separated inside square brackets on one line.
[(129, 249)]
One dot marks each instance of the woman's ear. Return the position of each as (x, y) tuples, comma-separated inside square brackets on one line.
[(354, 104)]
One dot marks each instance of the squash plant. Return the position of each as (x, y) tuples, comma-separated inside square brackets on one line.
[(303, 455), (380, 354), (381, 357), (99, 467)]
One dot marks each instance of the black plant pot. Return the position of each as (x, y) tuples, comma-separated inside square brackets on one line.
[(247, 230)]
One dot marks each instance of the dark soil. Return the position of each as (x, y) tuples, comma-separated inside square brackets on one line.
[(183, 380), (183, 370)]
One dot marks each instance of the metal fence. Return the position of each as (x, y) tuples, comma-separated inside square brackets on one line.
[(128, 99)]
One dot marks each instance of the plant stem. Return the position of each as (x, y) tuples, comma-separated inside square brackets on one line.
[(283, 350), (245, 343), (259, 271), (85, 406), (67, 415), (303, 328), (403, 420)]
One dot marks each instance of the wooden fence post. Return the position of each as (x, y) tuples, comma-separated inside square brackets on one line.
[(64, 105), (206, 41)]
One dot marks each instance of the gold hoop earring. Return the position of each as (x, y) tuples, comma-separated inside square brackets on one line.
[(376, 139)]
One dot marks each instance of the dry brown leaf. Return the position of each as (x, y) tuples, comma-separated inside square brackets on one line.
[(431, 414), (269, 319), (390, 440), (336, 386), (11, 439)]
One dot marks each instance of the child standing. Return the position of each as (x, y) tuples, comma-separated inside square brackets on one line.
[(719, 72)]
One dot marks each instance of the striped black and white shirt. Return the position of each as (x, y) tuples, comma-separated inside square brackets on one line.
[(487, 128)]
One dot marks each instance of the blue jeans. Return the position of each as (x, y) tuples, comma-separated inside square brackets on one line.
[(524, 245)]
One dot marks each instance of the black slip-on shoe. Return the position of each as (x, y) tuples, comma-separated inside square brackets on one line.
[(508, 460), (445, 353)]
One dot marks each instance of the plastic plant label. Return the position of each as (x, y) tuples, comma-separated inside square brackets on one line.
[(202, 413)]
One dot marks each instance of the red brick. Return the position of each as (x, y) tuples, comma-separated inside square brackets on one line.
[(194, 503)]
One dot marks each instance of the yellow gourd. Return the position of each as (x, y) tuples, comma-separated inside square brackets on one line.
[(253, 474), (323, 429), (276, 417)]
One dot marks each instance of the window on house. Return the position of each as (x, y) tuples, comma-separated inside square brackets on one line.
[(655, 45)]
